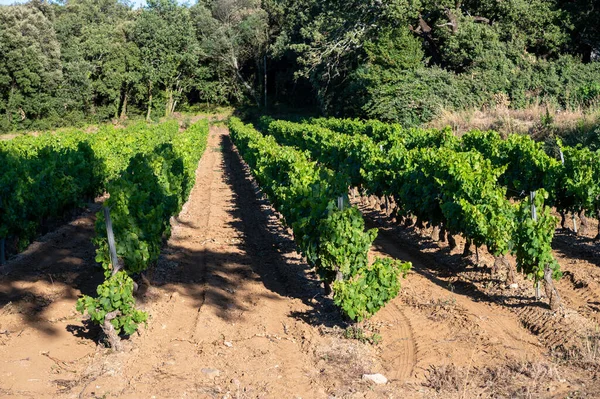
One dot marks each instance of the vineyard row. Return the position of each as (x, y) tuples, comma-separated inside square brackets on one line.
[(458, 186)]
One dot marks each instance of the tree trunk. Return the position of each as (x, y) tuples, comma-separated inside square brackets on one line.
[(265, 80), (174, 101), (169, 104), (327, 286), (496, 266), (388, 209), (550, 289), (117, 102), (243, 81), (584, 223), (511, 277), (443, 233), (563, 220), (503, 262), (467, 250), (149, 102), (9, 103), (109, 330), (124, 106), (179, 91), (419, 224), (451, 241)]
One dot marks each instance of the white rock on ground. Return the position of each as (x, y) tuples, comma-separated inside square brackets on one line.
[(211, 373), (376, 378)]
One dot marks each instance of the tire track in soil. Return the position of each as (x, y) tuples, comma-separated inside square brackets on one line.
[(585, 298), (486, 332), (399, 356), (582, 248)]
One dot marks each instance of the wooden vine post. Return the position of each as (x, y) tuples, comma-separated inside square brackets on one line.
[(549, 287), (338, 274), (340, 203), (114, 260), (534, 217), (107, 327)]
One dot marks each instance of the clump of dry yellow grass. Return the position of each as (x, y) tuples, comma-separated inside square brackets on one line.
[(523, 121)]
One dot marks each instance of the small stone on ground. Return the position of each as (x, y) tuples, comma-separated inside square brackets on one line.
[(376, 378), (211, 373)]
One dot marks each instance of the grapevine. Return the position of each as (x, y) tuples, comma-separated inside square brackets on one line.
[(333, 240)]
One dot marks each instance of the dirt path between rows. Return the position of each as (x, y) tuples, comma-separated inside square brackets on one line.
[(233, 309), (236, 313)]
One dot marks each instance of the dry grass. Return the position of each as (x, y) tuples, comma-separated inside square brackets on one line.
[(514, 380), (524, 121), (447, 378), (585, 356)]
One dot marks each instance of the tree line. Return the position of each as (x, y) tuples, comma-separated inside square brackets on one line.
[(68, 61)]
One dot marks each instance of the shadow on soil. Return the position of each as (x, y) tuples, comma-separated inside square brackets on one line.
[(577, 247), (439, 267), (64, 262), (260, 256), (267, 241), (67, 263)]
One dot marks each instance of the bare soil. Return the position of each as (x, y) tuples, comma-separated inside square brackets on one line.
[(235, 312)]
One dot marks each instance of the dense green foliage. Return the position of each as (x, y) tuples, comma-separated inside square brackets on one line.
[(333, 240), (148, 170), (66, 62), (45, 175), (142, 200), (534, 239), (63, 62), (427, 177), (466, 185), (405, 60), (146, 194), (114, 295), (572, 186)]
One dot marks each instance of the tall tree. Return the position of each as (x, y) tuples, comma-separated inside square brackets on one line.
[(30, 68), (97, 56), (328, 38), (234, 37), (168, 50)]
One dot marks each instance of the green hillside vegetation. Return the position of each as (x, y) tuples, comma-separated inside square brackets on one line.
[(72, 61)]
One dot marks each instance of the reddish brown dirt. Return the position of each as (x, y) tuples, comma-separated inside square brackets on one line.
[(473, 291), (230, 294)]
